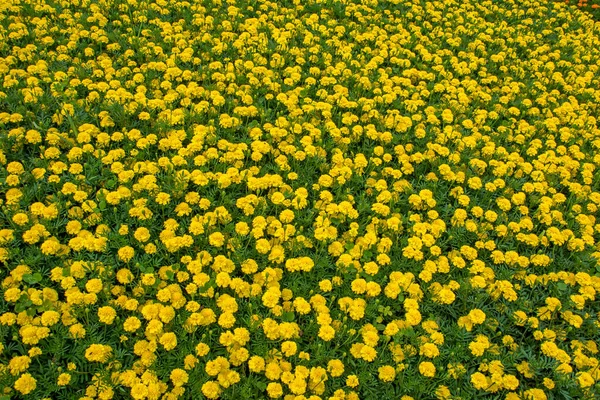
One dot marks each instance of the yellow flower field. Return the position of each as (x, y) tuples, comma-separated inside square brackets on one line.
[(321, 199)]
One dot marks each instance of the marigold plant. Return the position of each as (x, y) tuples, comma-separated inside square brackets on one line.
[(328, 199)]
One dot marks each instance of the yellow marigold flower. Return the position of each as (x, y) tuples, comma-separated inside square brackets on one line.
[(25, 384), (427, 369), (242, 228), (325, 285), (289, 348), (124, 276), (368, 353), (429, 350), (477, 316), (274, 390), (139, 391), (77, 331), (132, 324), (335, 368), (534, 394), (179, 377), (352, 381), (126, 253), (479, 381), (50, 318), (387, 373), (19, 364), (94, 285), (190, 361), (510, 382), (326, 332), (442, 392), (202, 349), (549, 383), (256, 364), (98, 352), (216, 239), (64, 379), (162, 198), (585, 379), (168, 340), (20, 219), (142, 234), (107, 315)]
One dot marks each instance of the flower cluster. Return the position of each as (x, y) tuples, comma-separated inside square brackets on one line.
[(328, 199)]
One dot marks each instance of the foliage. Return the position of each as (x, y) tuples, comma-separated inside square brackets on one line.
[(299, 200)]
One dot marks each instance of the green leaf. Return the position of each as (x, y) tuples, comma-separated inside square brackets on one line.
[(32, 278), (562, 286), (288, 316), (23, 305), (19, 307)]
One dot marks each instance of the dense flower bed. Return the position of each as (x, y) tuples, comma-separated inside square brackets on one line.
[(299, 200)]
